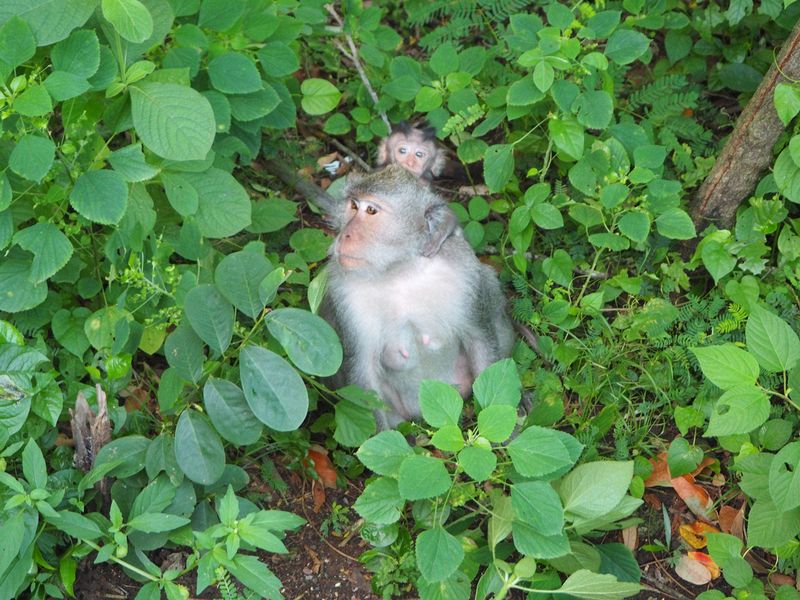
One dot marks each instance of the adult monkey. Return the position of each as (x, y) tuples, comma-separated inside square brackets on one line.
[(403, 315), (414, 149)]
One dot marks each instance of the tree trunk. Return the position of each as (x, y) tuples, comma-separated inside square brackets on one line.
[(748, 150)]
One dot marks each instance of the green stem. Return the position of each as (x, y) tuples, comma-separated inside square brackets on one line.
[(123, 563)]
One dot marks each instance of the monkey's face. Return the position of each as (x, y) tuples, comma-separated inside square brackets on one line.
[(412, 153), (376, 234)]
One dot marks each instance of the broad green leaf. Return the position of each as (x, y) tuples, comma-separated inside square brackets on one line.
[(255, 575), (224, 206), (536, 545), (210, 315), (157, 522), (595, 488), (403, 88), (384, 453), (523, 92), (635, 225), (198, 448), (422, 477), (567, 136), (278, 59), (444, 59), (100, 196), (234, 73), (537, 504), (594, 586), (771, 340), (539, 452), (229, 413), (17, 291), (273, 389), (455, 587), (683, 457), (33, 465), (498, 166), (626, 45), (130, 19), (17, 45), (354, 423), (784, 477), (51, 249), (787, 102), (478, 463), (32, 157), (78, 55), (543, 75), (717, 259), (380, 502), (611, 241), (546, 216), (496, 422), (76, 525), (309, 341), (595, 109), (319, 96), (770, 526), (675, 224), (449, 438), (182, 196), (184, 353), (174, 121), (787, 175), (498, 384), (727, 366), (438, 554), (440, 403), (238, 277), (33, 102), (68, 330), (740, 409), (249, 107), (127, 454)]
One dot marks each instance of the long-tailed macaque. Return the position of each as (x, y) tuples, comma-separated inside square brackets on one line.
[(403, 315), (414, 149)]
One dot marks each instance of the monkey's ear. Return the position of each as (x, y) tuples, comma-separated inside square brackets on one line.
[(442, 222), (383, 152)]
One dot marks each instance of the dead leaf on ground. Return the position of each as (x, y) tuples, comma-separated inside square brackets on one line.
[(323, 466), (695, 497), (694, 534), (692, 571), (318, 494), (660, 477), (731, 520), (779, 579), (630, 537), (653, 501)]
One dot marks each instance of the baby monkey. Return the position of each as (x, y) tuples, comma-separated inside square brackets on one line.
[(414, 149)]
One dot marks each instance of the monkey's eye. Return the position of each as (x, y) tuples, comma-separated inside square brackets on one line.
[(371, 210), (419, 154), (354, 205), (403, 150)]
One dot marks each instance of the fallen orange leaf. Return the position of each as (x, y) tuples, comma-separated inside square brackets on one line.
[(323, 466), (692, 571), (694, 534), (695, 497), (731, 520), (660, 477), (705, 560)]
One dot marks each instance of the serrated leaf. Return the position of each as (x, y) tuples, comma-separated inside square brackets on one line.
[(772, 341), (51, 249), (740, 409), (319, 96), (130, 19), (422, 477), (100, 196), (384, 453), (234, 73), (727, 366), (438, 554)]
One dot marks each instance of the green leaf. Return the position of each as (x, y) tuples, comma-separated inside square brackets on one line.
[(224, 206), (255, 575), (174, 121), (278, 59), (309, 341), (537, 504), (78, 55), (478, 463), (635, 225), (180, 193), (612, 241), (32, 157), (438, 554), (157, 522), (682, 457), (229, 412), (595, 109), (444, 60), (234, 73), (184, 353), (455, 587), (403, 88), (787, 175), (496, 422), (546, 216), (543, 75), (717, 259), (17, 45), (127, 454), (384, 453), (539, 452), (524, 92), (68, 329), (531, 543), (76, 525), (727, 366), (770, 526), (198, 448), (51, 249), (210, 315), (784, 477), (17, 292), (100, 196), (787, 102), (594, 489), (130, 163), (626, 45), (273, 389), (238, 277), (380, 502), (319, 96), (772, 341), (449, 438), (354, 423), (130, 19), (594, 586), (498, 384), (440, 403), (498, 166), (675, 224), (422, 477), (33, 102), (567, 136), (740, 409), (33, 465)]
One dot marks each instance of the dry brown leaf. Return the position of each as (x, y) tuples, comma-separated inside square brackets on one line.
[(731, 520), (779, 579), (630, 537), (692, 571), (694, 534), (660, 477), (653, 501), (318, 493), (695, 497), (708, 562), (323, 466)]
